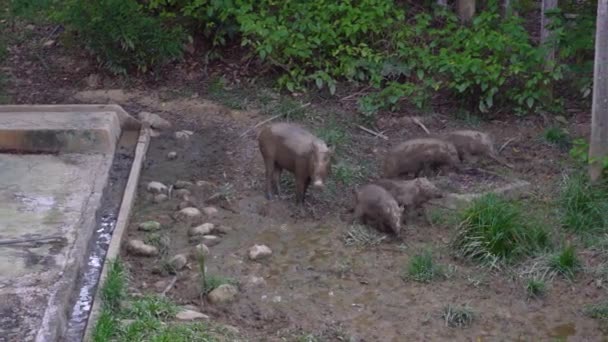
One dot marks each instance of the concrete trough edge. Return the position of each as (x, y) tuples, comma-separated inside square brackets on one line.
[(122, 221)]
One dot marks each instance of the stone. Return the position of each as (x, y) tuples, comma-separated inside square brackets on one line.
[(159, 198), (203, 229), (30, 27), (259, 251), (171, 155), (149, 226), (183, 135), (184, 204), (178, 262), (154, 120), (157, 188), (188, 214), (93, 80), (210, 211), (48, 43), (223, 294), (201, 249), (211, 240), (203, 183), (277, 299), (182, 184), (190, 315), (182, 193), (222, 229), (254, 281), (231, 329), (138, 247)]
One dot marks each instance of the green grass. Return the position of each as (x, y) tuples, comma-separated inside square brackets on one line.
[(106, 326), (212, 282), (423, 269), (565, 262), (597, 311), (535, 288), (493, 231), (346, 173), (114, 289), (458, 316), (557, 137), (362, 236), (584, 206), (161, 241), (152, 307)]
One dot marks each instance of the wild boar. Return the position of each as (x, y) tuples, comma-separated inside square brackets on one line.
[(375, 206), (411, 194), (417, 155), (471, 144)]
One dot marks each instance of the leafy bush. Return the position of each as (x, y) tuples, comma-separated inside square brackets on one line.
[(493, 230), (121, 34)]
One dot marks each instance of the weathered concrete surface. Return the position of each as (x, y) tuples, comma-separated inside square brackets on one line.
[(49, 196)]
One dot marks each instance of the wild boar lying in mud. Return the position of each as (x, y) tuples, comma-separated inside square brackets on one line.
[(291, 147), (471, 144), (376, 207), (411, 194), (416, 155)]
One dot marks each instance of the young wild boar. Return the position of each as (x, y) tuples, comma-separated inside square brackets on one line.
[(416, 155), (411, 194), (375, 206), (291, 147), (471, 144)]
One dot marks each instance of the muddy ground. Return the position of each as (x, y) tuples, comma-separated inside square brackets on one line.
[(315, 283)]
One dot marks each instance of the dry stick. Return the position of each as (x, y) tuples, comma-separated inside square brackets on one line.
[(419, 123), (505, 144), (169, 287), (28, 240), (272, 118), (379, 135)]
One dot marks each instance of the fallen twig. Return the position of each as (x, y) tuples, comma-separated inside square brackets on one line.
[(169, 287), (272, 118), (379, 135), (505, 144), (419, 123), (29, 240)]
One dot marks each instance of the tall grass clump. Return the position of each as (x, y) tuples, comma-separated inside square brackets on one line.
[(114, 289), (422, 268), (493, 230), (583, 205)]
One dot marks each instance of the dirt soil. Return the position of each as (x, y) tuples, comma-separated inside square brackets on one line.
[(314, 282)]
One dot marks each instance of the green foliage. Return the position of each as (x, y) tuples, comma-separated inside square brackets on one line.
[(557, 136), (114, 289), (121, 34), (422, 268), (152, 307), (536, 288), (494, 230), (580, 152), (32, 9), (212, 282), (597, 311), (583, 205), (565, 263), (105, 327)]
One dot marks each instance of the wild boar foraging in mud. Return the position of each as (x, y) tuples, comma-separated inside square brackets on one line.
[(291, 147), (377, 207), (471, 143), (416, 155), (411, 194)]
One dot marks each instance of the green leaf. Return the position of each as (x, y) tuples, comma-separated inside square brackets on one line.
[(319, 82), (530, 102)]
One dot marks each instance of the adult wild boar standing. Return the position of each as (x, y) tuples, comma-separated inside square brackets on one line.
[(291, 147), (415, 155)]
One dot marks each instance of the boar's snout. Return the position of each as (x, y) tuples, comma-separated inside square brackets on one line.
[(318, 183)]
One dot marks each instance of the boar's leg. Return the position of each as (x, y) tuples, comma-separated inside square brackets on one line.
[(269, 179), (302, 183), (276, 179)]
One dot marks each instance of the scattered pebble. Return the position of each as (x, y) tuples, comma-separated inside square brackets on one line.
[(223, 294), (203, 229), (182, 193), (204, 183), (190, 315), (30, 27), (188, 214), (211, 240), (182, 184), (149, 226), (276, 299), (48, 43), (259, 251), (138, 247), (159, 198), (178, 262), (171, 155), (157, 188), (154, 120), (183, 135), (255, 281), (210, 211)]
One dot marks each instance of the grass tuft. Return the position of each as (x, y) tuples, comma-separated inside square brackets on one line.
[(423, 269), (105, 327), (536, 288), (557, 137), (162, 241), (362, 236), (114, 289), (584, 205), (213, 281), (565, 263), (458, 316), (152, 307), (493, 230), (597, 311)]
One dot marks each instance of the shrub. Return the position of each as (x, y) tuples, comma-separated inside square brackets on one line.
[(493, 230), (584, 205), (121, 34)]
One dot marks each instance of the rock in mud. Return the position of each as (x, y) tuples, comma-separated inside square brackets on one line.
[(138, 247), (211, 240), (154, 120), (159, 198), (203, 229), (157, 188), (182, 184), (259, 252), (190, 315), (223, 294), (201, 250), (149, 226), (189, 214), (178, 262), (183, 135), (181, 193), (210, 211), (171, 155), (222, 229)]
